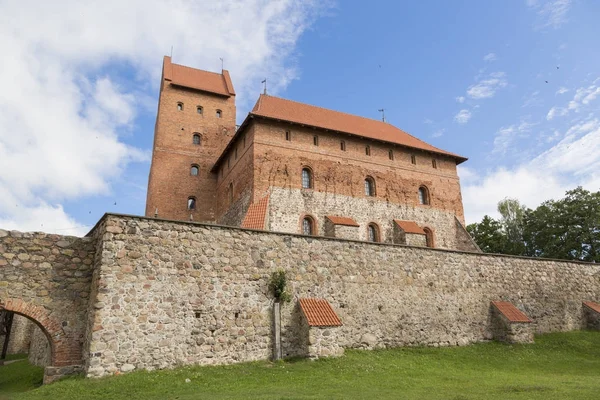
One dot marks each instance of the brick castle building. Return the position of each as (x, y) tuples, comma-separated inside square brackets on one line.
[(297, 168)]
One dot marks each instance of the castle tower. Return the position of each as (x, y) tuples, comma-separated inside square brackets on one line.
[(194, 123)]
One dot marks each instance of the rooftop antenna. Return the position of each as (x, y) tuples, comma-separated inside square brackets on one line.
[(382, 111), (265, 82), (222, 63)]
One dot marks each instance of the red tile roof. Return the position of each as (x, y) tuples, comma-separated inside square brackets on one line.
[(512, 313), (342, 220), (193, 78), (257, 214), (318, 312), (409, 227), (305, 114), (592, 305)]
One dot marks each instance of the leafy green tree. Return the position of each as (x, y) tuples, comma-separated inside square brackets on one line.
[(512, 222), (488, 235), (566, 229)]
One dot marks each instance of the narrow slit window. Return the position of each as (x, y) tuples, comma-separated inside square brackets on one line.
[(191, 203), (179, 106), (343, 145), (413, 159), (315, 140), (199, 110), (288, 136), (368, 150), (434, 163), (391, 154), (219, 113)]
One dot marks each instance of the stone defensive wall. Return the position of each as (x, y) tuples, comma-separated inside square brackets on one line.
[(142, 293)]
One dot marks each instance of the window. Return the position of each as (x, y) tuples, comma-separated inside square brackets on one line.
[(428, 237), (373, 232), (197, 139), (288, 136), (413, 159), (191, 204), (368, 150), (434, 163), (308, 226), (423, 195), (199, 110), (219, 113), (391, 154), (369, 186), (307, 178), (179, 106), (194, 170), (230, 193), (316, 140), (343, 145)]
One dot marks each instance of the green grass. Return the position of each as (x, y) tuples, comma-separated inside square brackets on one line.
[(557, 366), (19, 376)]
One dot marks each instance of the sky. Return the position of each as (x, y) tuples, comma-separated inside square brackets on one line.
[(512, 85)]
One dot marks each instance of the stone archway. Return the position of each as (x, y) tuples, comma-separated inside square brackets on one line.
[(65, 351)]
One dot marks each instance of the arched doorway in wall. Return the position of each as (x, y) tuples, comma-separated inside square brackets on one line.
[(429, 238), (63, 351)]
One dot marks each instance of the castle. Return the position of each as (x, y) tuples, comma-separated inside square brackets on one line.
[(297, 168), (365, 219)]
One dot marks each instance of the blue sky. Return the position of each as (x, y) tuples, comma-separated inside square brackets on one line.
[(512, 85)]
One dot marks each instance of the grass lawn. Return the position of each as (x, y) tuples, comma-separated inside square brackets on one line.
[(557, 366), (19, 376)]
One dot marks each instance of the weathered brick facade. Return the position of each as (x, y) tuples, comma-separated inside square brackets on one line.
[(267, 155)]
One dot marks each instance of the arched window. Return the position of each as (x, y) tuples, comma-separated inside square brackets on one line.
[(369, 186), (180, 106), (308, 225), (391, 154), (429, 237), (197, 139), (423, 195), (373, 232), (230, 193), (199, 110), (194, 170), (191, 204), (368, 150), (219, 113), (307, 181)]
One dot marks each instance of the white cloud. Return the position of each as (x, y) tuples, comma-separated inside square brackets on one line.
[(506, 136), (583, 97), (427, 121), (551, 13), (562, 90), (463, 116), (532, 100), (489, 57), (487, 87), (460, 99), (438, 133), (574, 161), (65, 111)]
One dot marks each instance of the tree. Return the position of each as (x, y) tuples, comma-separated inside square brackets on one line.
[(512, 213), (488, 235), (566, 229)]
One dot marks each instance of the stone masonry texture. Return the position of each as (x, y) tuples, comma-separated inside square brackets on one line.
[(142, 293)]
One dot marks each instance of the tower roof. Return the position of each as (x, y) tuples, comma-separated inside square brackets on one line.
[(193, 78), (318, 117)]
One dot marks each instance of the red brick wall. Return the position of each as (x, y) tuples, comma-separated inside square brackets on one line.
[(170, 182), (279, 163)]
